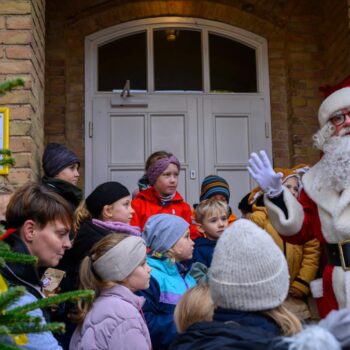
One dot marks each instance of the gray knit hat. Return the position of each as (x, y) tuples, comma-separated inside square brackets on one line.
[(162, 231), (248, 271)]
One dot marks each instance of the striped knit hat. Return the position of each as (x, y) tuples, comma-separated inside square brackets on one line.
[(213, 185)]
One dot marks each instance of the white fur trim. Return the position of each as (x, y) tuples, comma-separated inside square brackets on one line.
[(338, 284), (335, 102), (316, 288), (314, 337), (290, 226)]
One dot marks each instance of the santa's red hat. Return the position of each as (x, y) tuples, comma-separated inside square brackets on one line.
[(338, 100)]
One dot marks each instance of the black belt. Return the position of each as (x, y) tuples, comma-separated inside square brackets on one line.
[(338, 254)]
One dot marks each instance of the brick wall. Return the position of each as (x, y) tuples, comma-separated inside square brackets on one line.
[(22, 54), (298, 61), (336, 42)]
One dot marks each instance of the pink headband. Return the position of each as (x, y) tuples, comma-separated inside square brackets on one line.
[(159, 166)]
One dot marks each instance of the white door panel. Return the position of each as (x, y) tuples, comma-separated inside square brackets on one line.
[(124, 137), (233, 128)]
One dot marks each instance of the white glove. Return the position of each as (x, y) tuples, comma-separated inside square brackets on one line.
[(262, 172), (338, 323)]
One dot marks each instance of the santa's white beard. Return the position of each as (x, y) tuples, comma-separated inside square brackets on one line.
[(334, 170)]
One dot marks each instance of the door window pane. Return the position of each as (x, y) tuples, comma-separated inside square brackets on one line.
[(121, 60), (177, 60), (232, 66)]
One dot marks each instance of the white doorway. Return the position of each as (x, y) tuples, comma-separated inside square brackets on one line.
[(210, 129)]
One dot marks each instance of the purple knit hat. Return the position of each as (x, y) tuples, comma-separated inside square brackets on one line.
[(159, 166)]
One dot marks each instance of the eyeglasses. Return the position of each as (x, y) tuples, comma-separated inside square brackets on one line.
[(339, 118)]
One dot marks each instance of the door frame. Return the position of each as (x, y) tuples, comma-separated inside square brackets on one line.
[(93, 41)]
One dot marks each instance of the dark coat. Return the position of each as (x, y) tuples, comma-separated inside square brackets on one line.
[(72, 194), (22, 274), (203, 250), (219, 335), (87, 235)]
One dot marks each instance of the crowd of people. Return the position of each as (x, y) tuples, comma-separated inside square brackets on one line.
[(170, 276)]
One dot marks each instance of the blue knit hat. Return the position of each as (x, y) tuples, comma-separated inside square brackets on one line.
[(162, 231), (56, 157), (213, 185)]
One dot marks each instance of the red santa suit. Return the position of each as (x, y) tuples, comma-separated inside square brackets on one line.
[(322, 213)]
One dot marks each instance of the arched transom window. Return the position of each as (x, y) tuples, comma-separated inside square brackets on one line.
[(176, 59)]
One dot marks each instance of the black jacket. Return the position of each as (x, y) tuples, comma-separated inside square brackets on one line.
[(87, 235), (26, 275), (72, 194), (218, 335)]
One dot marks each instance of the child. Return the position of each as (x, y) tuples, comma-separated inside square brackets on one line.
[(303, 260), (169, 242), (212, 219), (162, 170), (106, 209), (216, 187), (248, 281), (61, 168), (196, 305), (39, 223), (115, 268)]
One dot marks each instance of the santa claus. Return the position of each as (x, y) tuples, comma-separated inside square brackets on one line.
[(323, 209)]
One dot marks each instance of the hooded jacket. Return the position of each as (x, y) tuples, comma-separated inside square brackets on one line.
[(169, 281), (114, 322)]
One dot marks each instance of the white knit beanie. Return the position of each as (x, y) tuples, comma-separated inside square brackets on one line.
[(335, 102), (248, 271)]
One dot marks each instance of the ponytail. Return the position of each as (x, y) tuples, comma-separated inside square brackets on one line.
[(81, 214), (286, 320), (88, 277)]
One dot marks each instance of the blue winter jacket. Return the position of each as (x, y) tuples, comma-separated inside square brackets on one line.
[(169, 281), (203, 250)]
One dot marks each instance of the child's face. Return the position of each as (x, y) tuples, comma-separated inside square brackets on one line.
[(214, 224), (166, 183), (69, 174), (139, 278), (121, 210), (292, 184), (183, 248), (49, 243)]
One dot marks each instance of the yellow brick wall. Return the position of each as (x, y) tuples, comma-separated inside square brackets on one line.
[(22, 54)]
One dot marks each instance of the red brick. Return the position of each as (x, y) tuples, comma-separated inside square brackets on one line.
[(15, 7), (23, 113), (19, 52)]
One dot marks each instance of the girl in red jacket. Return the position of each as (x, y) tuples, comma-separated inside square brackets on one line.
[(162, 171)]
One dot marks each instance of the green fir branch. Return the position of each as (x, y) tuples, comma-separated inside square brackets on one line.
[(3, 246), (18, 257), (10, 296), (9, 85), (57, 327), (8, 347), (54, 300), (6, 157), (15, 318)]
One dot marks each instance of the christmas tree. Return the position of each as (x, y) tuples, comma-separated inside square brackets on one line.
[(15, 323)]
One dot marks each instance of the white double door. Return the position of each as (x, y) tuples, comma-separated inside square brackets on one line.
[(210, 134)]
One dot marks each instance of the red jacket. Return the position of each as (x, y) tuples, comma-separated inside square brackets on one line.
[(312, 229), (148, 203)]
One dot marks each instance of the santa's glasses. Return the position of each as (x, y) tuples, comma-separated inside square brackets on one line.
[(338, 118)]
